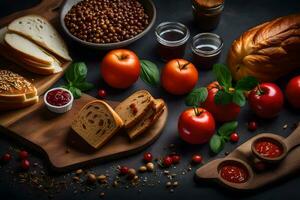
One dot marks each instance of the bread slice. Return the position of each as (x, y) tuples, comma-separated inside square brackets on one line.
[(96, 123), (25, 48), (148, 120), (15, 88), (5, 106), (132, 109), (40, 31)]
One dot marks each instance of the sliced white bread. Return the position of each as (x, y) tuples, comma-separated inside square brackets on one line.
[(39, 30), (5, 106), (15, 88), (148, 120), (132, 109), (96, 123)]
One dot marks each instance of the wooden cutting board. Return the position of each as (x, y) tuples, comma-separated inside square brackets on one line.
[(52, 135)]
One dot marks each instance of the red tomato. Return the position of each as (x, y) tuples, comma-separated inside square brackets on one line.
[(120, 68), (266, 100), (196, 126), (293, 92), (179, 77), (221, 113)]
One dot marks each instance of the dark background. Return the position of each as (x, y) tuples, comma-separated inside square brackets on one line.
[(238, 16)]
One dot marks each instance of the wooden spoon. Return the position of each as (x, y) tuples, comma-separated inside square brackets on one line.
[(286, 144)]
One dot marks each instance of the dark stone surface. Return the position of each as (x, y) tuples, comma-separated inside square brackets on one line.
[(238, 16)]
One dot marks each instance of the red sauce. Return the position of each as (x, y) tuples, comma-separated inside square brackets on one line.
[(268, 149), (234, 173), (58, 97)]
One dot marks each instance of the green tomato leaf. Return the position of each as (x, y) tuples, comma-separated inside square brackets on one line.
[(247, 83), (227, 128), (84, 86), (149, 73), (239, 98), (223, 75), (197, 96), (216, 144), (223, 97)]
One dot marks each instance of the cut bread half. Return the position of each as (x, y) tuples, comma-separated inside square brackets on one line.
[(15, 88), (148, 120), (96, 123), (22, 47), (5, 106), (132, 109), (40, 31)]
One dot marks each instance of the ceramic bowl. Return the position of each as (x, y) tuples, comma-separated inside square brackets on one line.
[(59, 109)]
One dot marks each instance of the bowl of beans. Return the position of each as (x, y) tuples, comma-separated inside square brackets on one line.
[(107, 24)]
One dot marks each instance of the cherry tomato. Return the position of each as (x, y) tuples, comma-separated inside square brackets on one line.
[(25, 164), (6, 157), (293, 92), (175, 159), (102, 93), (252, 126), (120, 68), (234, 137), (167, 161), (123, 170), (148, 157), (266, 100), (221, 113), (23, 154), (196, 126), (197, 159), (179, 77)]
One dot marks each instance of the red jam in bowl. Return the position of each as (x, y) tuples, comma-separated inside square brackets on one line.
[(58, 97), (268, 148), (234, 172)]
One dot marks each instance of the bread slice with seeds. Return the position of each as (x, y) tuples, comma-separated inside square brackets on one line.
[(148, 120), (96, 123), (134, 108)]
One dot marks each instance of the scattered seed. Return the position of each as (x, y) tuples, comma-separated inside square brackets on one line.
[(76, 178), (168, 184), (102, 194), (143, 169), (91, 178), (285, 126), (150, 166), (115, 184), (175, 184), (79, 171), (131, 172)]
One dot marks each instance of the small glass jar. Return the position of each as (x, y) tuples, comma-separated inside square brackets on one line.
[(207, 18), (206, 48), (172, 38)]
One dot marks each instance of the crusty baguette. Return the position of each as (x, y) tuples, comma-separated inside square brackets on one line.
[(5, 106), (40, 31), (96, 123), (148, 120), (15, 88), (25, 48), (133, 108)]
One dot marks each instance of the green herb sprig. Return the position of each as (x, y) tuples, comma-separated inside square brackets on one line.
[(149, 73)]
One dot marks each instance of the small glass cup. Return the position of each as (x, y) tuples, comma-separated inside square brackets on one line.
[(172, 38), (206, 48), (207, 18)]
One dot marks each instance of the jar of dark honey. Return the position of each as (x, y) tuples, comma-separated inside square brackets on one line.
[(207, 14), (172, 38), (206, 48)]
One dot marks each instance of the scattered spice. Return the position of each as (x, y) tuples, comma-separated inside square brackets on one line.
[(79, 171), (143, 169), (285, 126), (91, 178), (150, 166)]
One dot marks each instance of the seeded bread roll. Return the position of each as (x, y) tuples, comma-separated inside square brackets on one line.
[(96, 123), (135, 107), (148, 120)]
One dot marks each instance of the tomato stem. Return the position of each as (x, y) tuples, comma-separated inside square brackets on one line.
[(196, 110), (259, 91), (182, 66)]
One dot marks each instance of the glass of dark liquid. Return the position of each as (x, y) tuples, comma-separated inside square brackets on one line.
[(171, 38), (206, 48)]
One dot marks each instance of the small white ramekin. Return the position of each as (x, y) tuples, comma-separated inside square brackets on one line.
[(59, 109)]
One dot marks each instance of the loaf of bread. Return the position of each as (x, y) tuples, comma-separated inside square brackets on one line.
[(15, 91), (148, 120), (267, 51), (40, 31), (96, 123), (135, 107)]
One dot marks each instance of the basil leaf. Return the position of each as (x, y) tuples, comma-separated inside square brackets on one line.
[(197, 96), (247, 83), (223, 97), (70, 74), (149, 73), (80, 70), (84, 86), (228, 128), (238, 98), (76, 92), (223, 75), (216, 145)]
